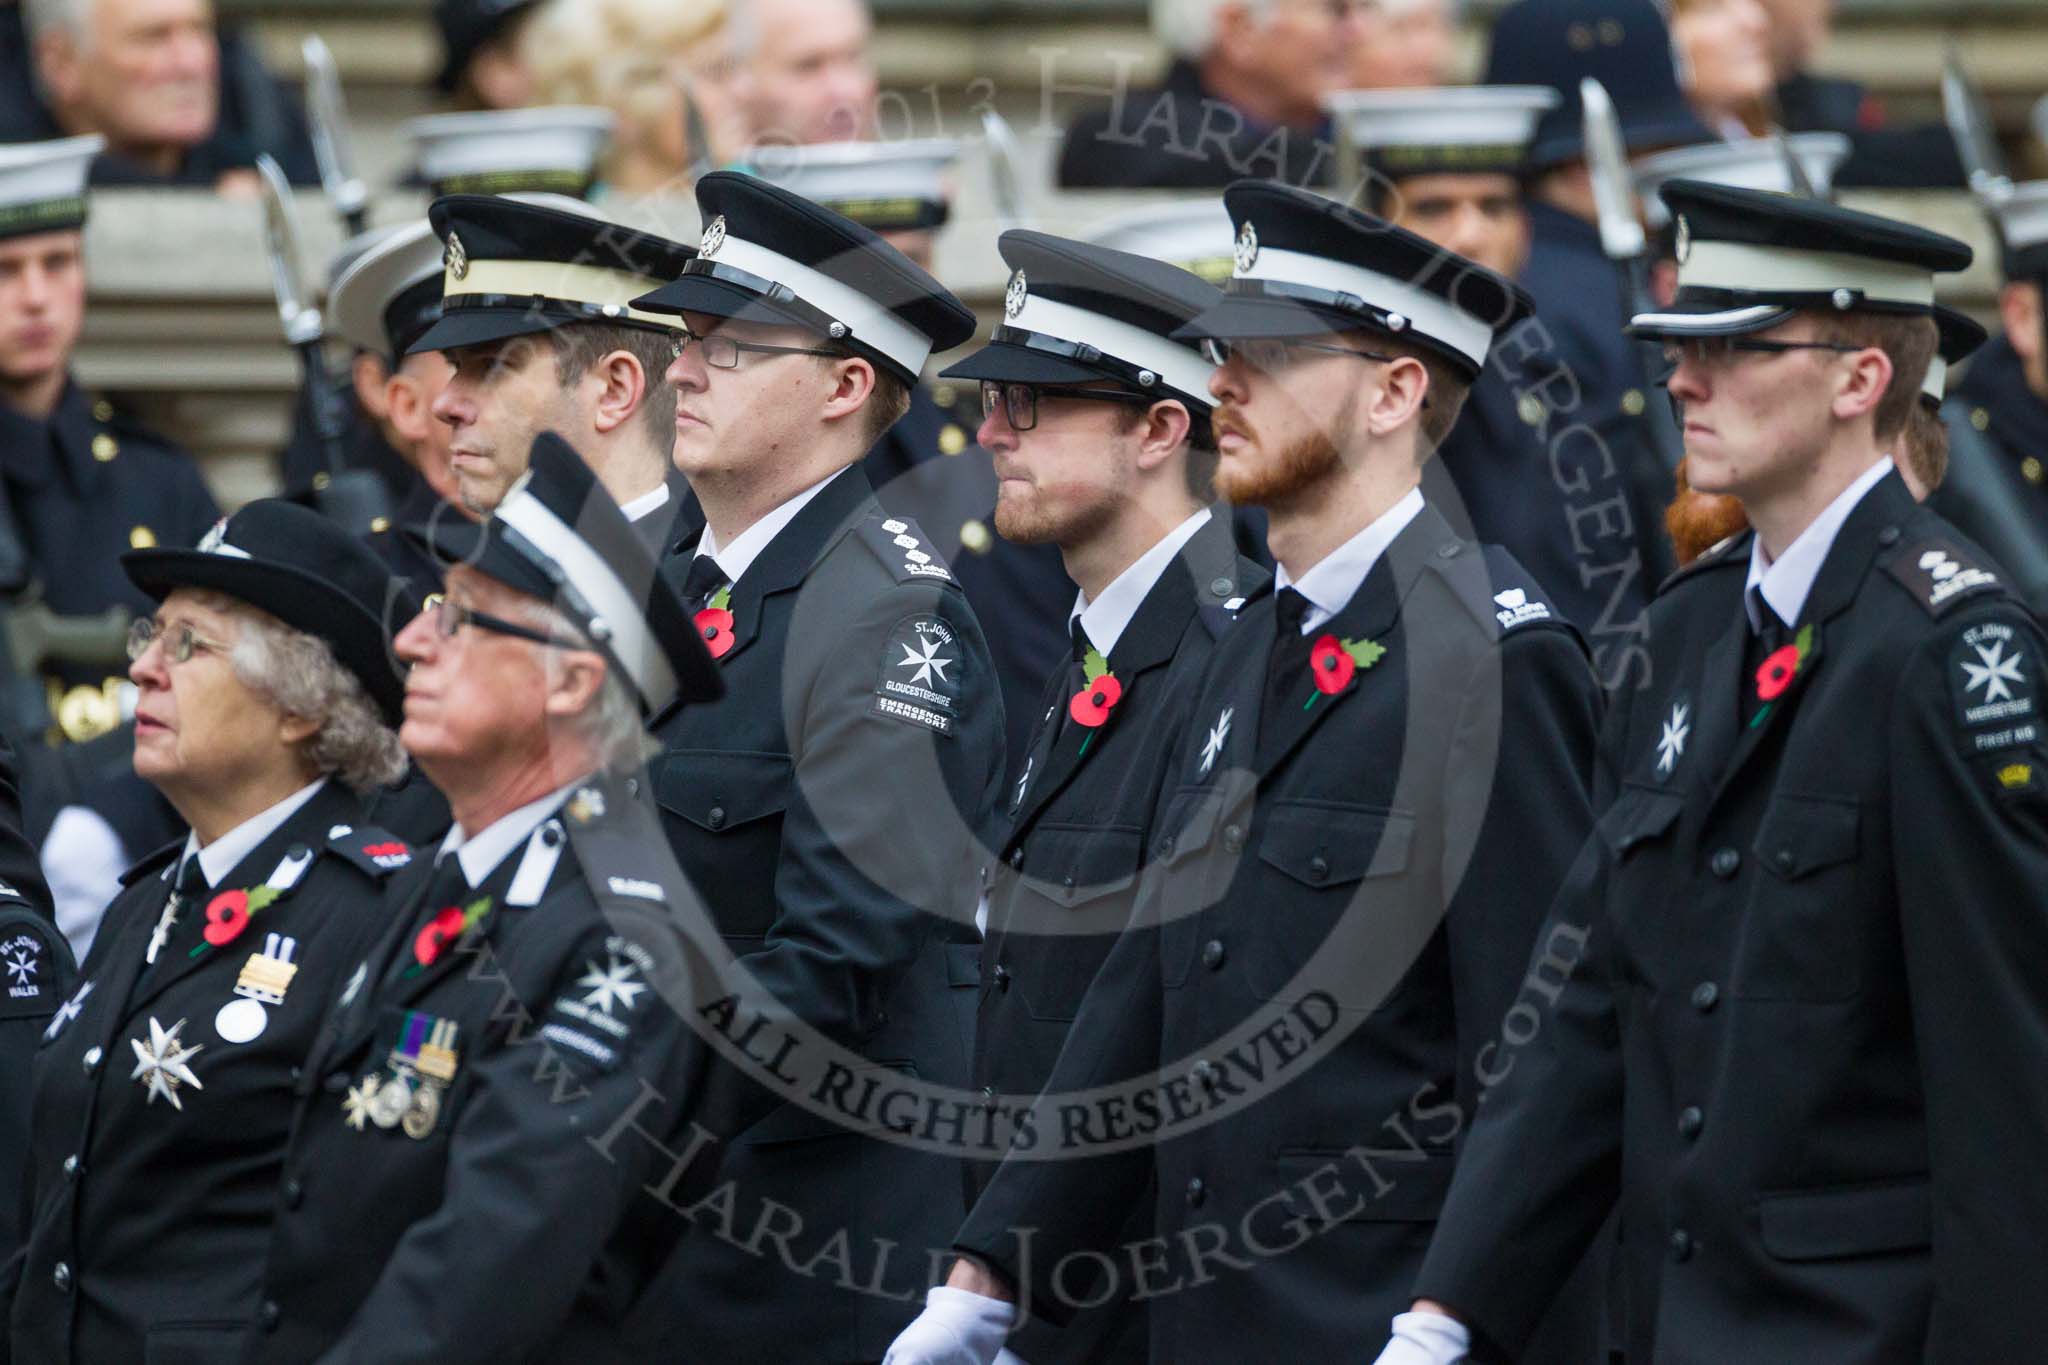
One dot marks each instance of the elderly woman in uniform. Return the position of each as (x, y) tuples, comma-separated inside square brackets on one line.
[(164, 1087)]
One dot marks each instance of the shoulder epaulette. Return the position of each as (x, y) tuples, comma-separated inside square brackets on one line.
[(1719, 555), (152, 862), (378, 852), (902, 547), (1939, 570), (1518, 602)]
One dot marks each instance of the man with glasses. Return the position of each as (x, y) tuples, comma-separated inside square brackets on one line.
[(835, 807), (1244, 96), (538, 323), (1384, 774), (1797, 1051), (1099, 428)]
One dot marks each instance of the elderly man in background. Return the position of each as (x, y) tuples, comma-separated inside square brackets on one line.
[(1404, 43), (805, 71), (1243, 97), (178, 101)]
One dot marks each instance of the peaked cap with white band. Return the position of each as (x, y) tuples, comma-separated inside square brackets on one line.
[(558, 536), (389, 294), (1080, 314), (887, 186), (1754, 163), (516, 266), (2021, 214), (309, 572), (1445, 130), (1309, 266), (42, 184), (769, 256), (1194, 234), (1749, 259), (499, 151), (1961, 335)]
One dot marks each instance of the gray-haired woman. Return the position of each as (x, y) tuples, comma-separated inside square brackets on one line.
[(164, 1088)]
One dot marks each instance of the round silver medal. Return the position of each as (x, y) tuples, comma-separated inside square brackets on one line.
[(241, 1020), (392, 1100)]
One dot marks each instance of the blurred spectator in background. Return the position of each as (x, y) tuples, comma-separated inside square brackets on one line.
[(1243, 97), (1403, 43), (1724, 63), (2005, 394), (641, 59), (484, 60), (1905, 158), (178, 100), (805, 71)]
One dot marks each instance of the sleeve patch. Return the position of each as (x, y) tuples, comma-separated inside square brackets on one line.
[(1939, 573), (1514, 607), (593, 1017), (922, 675), (1995, 682), (32, 970)]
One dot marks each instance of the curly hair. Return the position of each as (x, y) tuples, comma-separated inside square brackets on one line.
[(299, 675)]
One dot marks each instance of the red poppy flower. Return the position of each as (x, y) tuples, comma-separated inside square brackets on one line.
[(715, 625), (1092, 704), (441, 931), (1331, 665), (227, 915), (1777, 673)]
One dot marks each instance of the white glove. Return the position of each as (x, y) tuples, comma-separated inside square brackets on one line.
[(955, 1328), (1426, 1339)]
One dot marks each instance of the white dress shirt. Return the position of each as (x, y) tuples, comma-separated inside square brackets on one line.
[(1106, 618), (1786, 581), (646, 502), (735, 559), (219, 858), (481, 853), (1337, 577)]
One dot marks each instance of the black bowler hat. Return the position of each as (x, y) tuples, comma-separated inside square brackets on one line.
[(518, 266), (303, 569), (1307, 265), (774, 257), (558, 536), (1961, 335), (467, 25), (1081, 314), (1624, 44), (1749, 259)]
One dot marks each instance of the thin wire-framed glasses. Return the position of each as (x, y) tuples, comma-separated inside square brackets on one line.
[(722, 352), (1275, 353), (451, 616), (1019, 402), (180, 640), (1723, 350)]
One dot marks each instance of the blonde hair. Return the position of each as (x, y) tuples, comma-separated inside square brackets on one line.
[(617, 54)]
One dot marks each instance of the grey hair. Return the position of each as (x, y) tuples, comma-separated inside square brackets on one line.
[(743, 25), (612, 725), (1188, 27), (41, 16), (299, 675)]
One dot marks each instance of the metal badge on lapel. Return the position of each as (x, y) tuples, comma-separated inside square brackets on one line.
[(418, 1070), (265, 977)]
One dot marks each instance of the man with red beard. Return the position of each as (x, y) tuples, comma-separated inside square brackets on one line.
[(1383, 782)]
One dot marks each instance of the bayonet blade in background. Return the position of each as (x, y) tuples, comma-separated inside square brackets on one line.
[(328, 114), (1005, 156), (697, 136), (1621, 232), (1795, 170), (1962, 108), (302, 326)]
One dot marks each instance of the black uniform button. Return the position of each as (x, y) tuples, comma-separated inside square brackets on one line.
[(1204, 1073), (1066, 883), (269, 1315), (91, 1060), (1233, 838), (1690, 1121), (336, 1082), (297, 1072), (1705, 996), (1166, 846), (1197, 1192), (1002, 977), (1212, 954), (988, 1098), (71, 1166), (1726, 863), (715, 817), (551, 834), (60, 1275), (1017, 857), (1318, 868), (294, 1194), (1681, 1245), (1888, 536), (1783, 859)]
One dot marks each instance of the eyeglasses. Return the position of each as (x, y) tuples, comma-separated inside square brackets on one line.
[(1020, 401), (1272, 353), (179, 640), (1718, 351), (723, 352), (451, 616)]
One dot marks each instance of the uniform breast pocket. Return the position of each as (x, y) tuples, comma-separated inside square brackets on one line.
[(1801, 939), (1639, 830), (1073, 898), (1330, 878), (731, 806)]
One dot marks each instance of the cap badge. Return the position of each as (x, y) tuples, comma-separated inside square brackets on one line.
[(714, 237), (456, 258), (215, 534), (1015, 295), (1247, 248), (1681, 246)]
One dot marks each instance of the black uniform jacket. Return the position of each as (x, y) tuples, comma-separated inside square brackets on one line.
[(509, 1218), (1342, 898), (833, 809), (164, 1092), (1078, 830), (1996, 491), (1805, 962), (1180, 136)]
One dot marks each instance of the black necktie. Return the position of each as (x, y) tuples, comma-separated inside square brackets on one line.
[(1767, 639), (704, 579), (1287, 680)]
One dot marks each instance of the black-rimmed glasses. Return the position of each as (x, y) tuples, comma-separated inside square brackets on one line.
[(1721, 350), (1019, 402), (722, 352), (180, 640), (1274, 353), (451, 616)]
